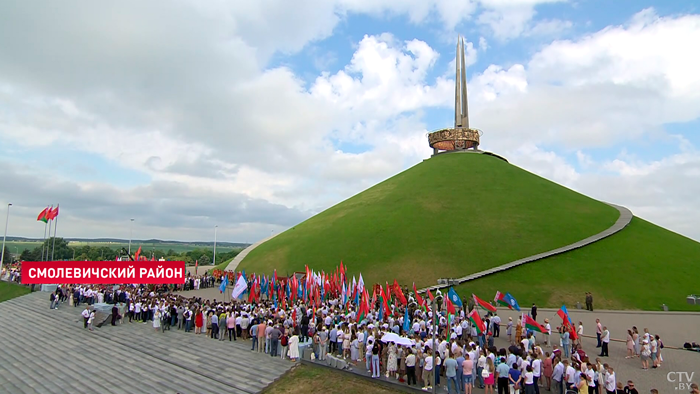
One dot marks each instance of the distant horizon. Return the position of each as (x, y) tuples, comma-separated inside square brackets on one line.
[(122, 240)]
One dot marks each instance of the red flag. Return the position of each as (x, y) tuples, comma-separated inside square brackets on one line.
[(399, 293), (450, 307), (531, 324), (476, 319), (430, 295), (386, 306), (42, 215), (484, 304), (138, 252), (51, 214), (419, 299)]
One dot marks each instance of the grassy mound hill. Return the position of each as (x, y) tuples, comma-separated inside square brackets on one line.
[(640, 267), (449, 216)]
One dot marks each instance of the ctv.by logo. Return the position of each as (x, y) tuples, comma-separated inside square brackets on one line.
[(683, 380)]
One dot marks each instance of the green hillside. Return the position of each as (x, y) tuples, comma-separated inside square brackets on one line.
[(446, 217), (640, 267)]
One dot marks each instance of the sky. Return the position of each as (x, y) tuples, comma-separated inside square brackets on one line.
[(255, 115)]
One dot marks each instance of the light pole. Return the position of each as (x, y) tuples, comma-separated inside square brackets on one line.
[(214, 260), (131, 233), (7, 220)]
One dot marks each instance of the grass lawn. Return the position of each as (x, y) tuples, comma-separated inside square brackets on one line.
[(9, 291), (449, 216), (221, 266), (305, 379), (641, 267)]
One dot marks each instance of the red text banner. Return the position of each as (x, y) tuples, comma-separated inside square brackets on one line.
[(103, 272)]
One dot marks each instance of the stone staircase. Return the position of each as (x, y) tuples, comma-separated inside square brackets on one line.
[(49, 351)]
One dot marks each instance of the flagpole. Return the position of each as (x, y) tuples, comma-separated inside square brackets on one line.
[(43, 243), (55, 224)]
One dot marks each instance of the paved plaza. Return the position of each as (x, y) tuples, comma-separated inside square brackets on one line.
[(48, 351), (674, 328)]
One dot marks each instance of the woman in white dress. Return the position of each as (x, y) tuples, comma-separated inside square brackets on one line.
[(294, 346), (156, 319), (392, 363)]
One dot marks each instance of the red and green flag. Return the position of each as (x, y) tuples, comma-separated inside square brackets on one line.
[(532, 325), (476, 320), (484, 304), (43, 215), (501, 299)]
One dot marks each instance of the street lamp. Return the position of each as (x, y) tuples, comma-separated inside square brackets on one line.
[(2, 254), (131, 233), (214, 260)]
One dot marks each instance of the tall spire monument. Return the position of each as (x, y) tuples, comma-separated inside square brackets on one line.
[(461, 137)]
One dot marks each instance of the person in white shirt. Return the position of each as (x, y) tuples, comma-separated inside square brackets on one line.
[(605, 338), (570, 374), (547, 328), (90, 320), (496, 322), (86, 316), (536, 371), (591, 374), (610, 381), (428, 377)]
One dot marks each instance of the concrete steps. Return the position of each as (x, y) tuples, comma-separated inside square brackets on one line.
[(48, 351)]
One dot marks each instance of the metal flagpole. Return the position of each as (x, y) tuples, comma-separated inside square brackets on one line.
[(214, 260), (43, 244), (55, 224), (2, 254)]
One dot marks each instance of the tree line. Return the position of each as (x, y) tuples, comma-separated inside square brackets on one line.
[(63, 251)]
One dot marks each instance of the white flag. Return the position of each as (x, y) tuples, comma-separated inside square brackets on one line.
[(240, 288)]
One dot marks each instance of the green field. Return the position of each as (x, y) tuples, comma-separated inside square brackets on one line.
[(9, 291), (19, 246), (304, 379), (448, 216), (458, 214), (641, 267)]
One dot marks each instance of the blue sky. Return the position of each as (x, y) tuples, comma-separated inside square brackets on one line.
[(258, 112)]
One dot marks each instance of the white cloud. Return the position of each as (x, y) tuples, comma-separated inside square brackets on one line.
[(508, 19), (190, 103), (551, 27)]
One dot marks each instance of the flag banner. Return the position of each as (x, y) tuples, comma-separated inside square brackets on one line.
[(103, 272), (224, 283), (506, 300), (43, 215), (476, 320), (406, 322), (484, 304), (563, 313), (454, 297), (532, 325), (512, 303)]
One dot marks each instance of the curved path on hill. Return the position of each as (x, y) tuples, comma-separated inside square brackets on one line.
[(622, 222), (240, 256)]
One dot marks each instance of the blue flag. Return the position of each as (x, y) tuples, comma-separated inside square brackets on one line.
[(511, 301), (454, 297), (224, 283), (406, 323)]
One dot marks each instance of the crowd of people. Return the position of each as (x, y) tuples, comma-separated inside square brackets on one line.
[(405, 345)]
